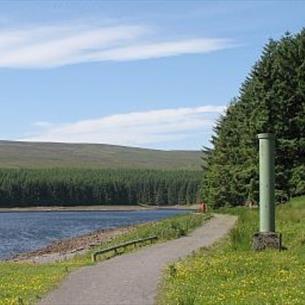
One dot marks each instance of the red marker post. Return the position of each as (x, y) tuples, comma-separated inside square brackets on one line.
[(203, 208)]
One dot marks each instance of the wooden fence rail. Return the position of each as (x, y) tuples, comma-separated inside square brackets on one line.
[(123, 245)]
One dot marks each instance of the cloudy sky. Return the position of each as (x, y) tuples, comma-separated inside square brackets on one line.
[(152, 74)]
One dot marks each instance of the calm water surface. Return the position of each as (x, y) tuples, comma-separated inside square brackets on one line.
[(27, 231)]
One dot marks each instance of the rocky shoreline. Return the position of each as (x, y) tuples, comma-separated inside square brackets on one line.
[(67, 248)]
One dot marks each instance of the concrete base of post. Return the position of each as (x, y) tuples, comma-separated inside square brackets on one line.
[(268, 240)]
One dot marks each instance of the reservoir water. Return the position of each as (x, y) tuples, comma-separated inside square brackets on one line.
[(27, 231)]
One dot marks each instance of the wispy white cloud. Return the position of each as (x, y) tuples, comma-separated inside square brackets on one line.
[(52, 46), (134, 129), (162, 49)]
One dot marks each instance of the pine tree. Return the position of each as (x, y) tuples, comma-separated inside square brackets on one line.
[(271, 99)]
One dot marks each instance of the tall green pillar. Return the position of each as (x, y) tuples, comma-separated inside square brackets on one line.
[(266, 237), (266, 183)]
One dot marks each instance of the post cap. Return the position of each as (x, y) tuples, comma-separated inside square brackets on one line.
[(265, 136)]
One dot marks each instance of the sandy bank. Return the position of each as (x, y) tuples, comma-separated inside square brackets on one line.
[(110, 208), (93, 208)]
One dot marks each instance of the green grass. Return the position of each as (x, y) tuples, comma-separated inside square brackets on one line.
[(230, 273), (50, 155), (23, 284)]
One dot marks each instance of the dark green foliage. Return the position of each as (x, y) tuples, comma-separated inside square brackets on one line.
[(272, 99), (30, 187)]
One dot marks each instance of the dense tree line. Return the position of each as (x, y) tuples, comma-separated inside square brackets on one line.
[(28, 187), (271, 99)]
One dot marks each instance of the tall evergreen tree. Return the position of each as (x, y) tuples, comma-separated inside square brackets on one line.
[(271, 99)]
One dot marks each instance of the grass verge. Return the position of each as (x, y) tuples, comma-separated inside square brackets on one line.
[(231, 274), (24, 283)]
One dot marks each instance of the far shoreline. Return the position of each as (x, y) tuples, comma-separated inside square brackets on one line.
[(94, 208)]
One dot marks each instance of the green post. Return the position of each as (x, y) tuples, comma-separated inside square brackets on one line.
[(266, 182)]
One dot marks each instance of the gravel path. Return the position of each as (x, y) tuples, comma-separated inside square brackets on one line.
[(132, 279)]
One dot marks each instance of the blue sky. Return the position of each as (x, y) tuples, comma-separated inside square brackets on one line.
[(152, 74)]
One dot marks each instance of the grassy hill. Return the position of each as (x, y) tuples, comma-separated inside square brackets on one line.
[(47, 155)]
